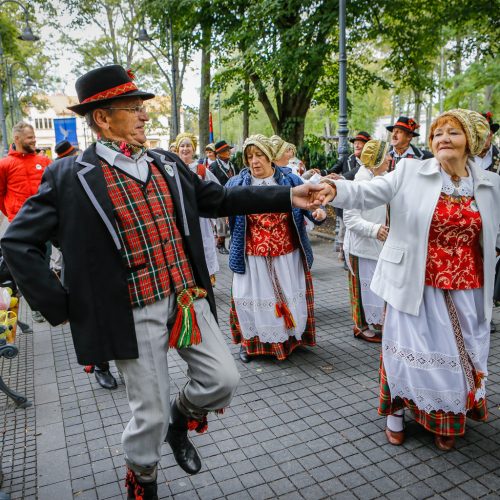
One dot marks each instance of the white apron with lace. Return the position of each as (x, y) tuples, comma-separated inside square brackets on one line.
[(373, 305), (420, 353)]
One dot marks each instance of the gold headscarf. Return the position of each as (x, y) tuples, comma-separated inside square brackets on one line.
[(475, 126), (262, 142), (210, 147), (374, 153), (186, 135), (280, 146)]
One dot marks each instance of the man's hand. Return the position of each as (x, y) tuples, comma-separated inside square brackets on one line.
[(312, 196)]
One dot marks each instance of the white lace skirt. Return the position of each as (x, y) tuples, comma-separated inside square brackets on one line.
[(209, 247), (373, 305), (254, 298), (420, 354)]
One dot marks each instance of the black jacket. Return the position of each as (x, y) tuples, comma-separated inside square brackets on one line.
[(342, 167), (495, 160), (218, 170), (72, 205)]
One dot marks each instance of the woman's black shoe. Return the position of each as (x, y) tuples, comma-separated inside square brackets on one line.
[(245, 358)]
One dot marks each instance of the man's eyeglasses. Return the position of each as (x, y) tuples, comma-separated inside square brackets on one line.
[(138, 110)]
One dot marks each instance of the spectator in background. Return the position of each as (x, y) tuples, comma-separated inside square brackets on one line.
[(402, 133), (20, 171), (20, 175), (489, 157), (209, 155), (65, 148), (223, 169)]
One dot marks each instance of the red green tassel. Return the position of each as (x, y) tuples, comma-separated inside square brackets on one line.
[(131, 481), (470, 400), (200, 426), (478, 378), (282, 311), (89, 368), (185, 331)]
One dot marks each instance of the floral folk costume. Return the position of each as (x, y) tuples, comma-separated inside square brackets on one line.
[(272, 303), (435, 363)]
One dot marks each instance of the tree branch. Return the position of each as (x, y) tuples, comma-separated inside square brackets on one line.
[(264, 99)]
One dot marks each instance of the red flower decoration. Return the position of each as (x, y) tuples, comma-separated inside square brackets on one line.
[(130, 74)]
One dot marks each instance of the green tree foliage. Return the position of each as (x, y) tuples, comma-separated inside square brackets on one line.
[(21, 59)]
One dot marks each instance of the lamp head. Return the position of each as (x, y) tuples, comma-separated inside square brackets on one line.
[(27, 34), (143, 35)]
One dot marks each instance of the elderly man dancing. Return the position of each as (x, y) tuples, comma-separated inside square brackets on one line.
[(136, 282)]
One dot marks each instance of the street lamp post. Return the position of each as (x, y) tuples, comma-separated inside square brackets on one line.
[(144, 37), (13, 101), (175, 115), (28, 36), (343, 130)]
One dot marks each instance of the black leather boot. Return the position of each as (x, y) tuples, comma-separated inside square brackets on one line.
[(185, 453), (104, 377), (140, 490)]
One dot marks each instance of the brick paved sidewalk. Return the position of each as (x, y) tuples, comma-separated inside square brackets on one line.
[(303, 428)]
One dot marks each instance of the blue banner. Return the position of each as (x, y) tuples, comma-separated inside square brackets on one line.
[(65, 129)]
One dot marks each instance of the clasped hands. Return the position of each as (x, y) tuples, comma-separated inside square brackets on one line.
[(312, 196)]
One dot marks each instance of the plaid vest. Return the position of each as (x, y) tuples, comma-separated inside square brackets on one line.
[(152, 248)]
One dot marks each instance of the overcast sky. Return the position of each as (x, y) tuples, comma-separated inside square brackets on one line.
[(64, 60)]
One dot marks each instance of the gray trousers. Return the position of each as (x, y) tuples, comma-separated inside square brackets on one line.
[(212, 372)]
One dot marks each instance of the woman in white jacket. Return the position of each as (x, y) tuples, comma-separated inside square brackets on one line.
[(436, 273), (366, 232)]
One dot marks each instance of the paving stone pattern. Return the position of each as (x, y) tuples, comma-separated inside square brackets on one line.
[(304, 428)]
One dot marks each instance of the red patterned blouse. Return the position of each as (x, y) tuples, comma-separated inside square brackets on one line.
[(454, 256), (270, 235)]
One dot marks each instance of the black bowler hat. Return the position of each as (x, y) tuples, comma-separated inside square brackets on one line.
[(493, 126), (406, 124), (64, 148), (221, 146), (361, 136), (102, 85)]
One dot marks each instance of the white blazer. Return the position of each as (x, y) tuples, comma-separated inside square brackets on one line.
[(413, 190), (362, 226)]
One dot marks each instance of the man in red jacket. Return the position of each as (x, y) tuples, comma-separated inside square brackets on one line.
[(20, 175), (20, 171)]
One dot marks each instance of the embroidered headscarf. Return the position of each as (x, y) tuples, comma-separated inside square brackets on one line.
[(280, 146), (186, 135), (475, 126), (263, 143), (374, 153)]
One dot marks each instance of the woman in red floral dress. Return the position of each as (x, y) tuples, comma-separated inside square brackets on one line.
[(272, 295)]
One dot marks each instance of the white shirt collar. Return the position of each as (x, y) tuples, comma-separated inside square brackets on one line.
[(138, 169), (409, 151)]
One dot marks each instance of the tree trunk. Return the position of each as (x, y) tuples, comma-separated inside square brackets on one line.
[(418, 105), (457, 66), (204, 131), (246, 109), (488, 96)]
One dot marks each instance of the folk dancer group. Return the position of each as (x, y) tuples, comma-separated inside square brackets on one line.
[(139, 267)]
